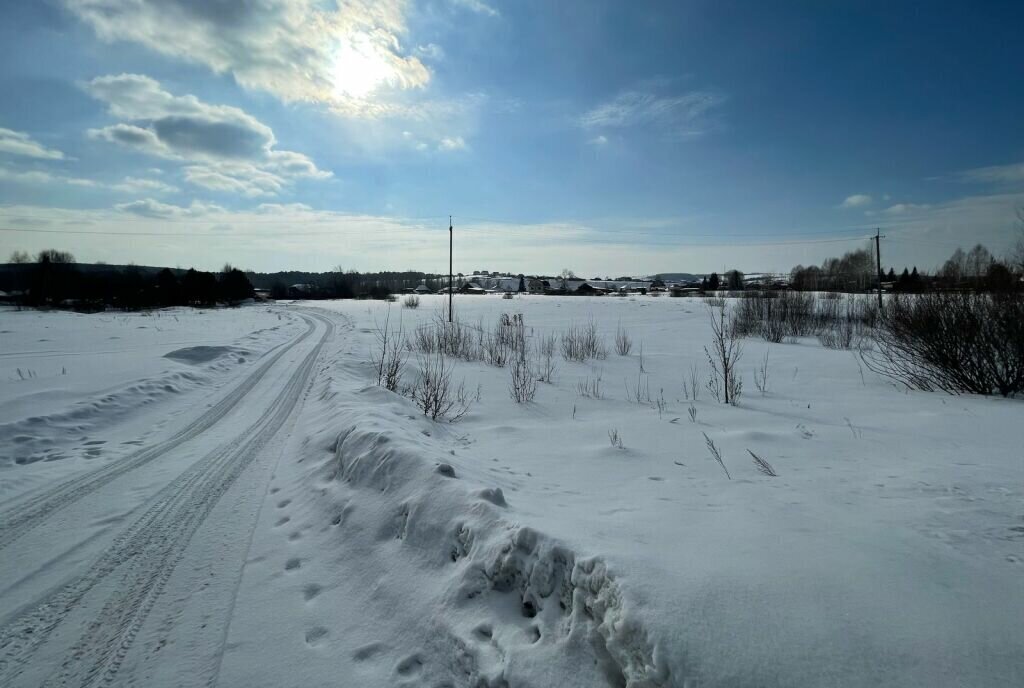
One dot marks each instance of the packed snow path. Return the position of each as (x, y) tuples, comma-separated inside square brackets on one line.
[(81, 630)]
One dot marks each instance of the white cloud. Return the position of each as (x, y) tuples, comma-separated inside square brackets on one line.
[(40, 177), (599, 140), (261, 238), (683, 115), (996, 174), (296, 50), (136, 184), (431, 51), (19, 143), (451, 143), (228, 149), (476, 6), (856, 201), (282, 208), (155, 209), (905, 208)]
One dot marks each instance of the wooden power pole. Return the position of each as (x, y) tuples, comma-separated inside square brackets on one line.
[(451, 281), (878, 262)]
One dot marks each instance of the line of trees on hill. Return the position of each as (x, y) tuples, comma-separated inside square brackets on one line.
[(53, 279)]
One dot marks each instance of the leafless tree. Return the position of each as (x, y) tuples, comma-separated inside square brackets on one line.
[(723, 356)]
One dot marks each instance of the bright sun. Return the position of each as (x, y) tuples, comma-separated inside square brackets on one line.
[(360, 68)]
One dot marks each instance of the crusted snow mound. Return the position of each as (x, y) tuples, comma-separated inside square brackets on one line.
[(540, 599)]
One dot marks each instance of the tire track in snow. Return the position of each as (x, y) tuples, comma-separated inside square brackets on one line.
[(26, 515), (145, 554)]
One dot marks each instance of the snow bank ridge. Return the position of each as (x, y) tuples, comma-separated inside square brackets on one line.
[(467, 534)]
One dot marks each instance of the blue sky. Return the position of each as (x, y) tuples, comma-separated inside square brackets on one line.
[(607, 137)]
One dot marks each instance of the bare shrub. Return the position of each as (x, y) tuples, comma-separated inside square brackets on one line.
[(774, 315), (723, 356), (546, 366), (761, 375), (615, 438), (952, 341), (581, 342), (691, 386), (692, 411), (716, 454), (623, 342), (390, 360), (412, 302), (523, 385), (763, 466), (715, 301), (590, 387), (433, 391)]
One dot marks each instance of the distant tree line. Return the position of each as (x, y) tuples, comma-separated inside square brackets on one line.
[(343, 284), (856, 271), (53, 279)]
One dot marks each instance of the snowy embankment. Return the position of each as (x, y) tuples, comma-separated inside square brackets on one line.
[(519, 547), (80, 389)]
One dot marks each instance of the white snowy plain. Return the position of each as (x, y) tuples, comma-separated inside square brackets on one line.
[(253, 510)]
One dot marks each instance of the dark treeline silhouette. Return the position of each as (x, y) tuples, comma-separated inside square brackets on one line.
[(856, 271), (342, 284), (54, 280)]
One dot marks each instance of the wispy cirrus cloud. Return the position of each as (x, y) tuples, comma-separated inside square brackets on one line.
[(682, 115), (227, 149), (476, 6), (995, 174)]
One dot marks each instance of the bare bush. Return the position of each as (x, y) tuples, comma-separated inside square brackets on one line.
[(546, 366), (433, 391), (412, 302), (581, 342), (390, 360), (691, 386), (761, 375), (723, 357), (952, 341), (623, 342), (523, 385), (590, 387), (692, 411), (615, 438)]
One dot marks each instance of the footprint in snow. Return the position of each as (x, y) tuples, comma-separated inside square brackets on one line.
[(315, 634), (292, 564), (410, 665), (368, 651)]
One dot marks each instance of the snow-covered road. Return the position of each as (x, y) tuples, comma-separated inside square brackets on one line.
[(87, 564)]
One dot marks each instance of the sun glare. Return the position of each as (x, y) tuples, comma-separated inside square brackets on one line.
[(359, 68)]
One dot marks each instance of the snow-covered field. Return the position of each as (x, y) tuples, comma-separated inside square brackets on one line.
[(260, 513)]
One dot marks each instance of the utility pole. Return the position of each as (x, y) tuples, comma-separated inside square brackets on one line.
[(878, 261), (451, 251)]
